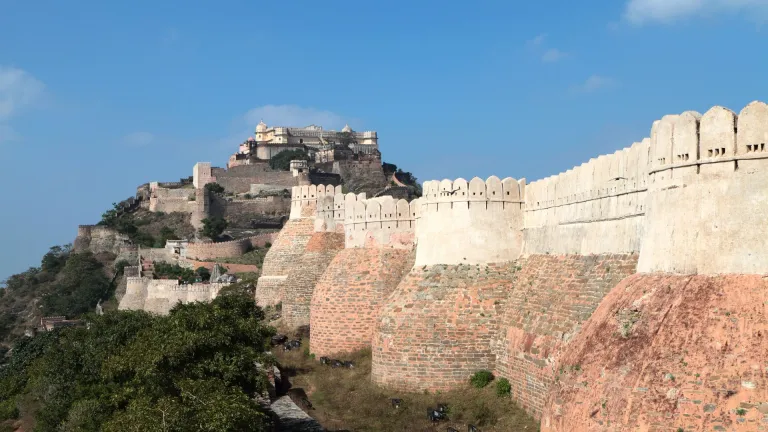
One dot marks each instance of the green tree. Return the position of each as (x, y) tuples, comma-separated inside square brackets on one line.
[(79, 286), (213, 227), (282, 160), (193, 370), (214, 188)]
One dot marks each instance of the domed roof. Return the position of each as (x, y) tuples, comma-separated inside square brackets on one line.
[(250, 138), (261, 127), (347, 129)]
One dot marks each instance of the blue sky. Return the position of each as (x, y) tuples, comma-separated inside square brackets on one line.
[(98, 97)]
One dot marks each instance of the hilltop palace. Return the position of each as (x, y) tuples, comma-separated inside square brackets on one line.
[(271, 140)]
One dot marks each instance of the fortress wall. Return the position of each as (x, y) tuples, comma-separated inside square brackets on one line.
[(290, 243), (551, 298), (135, 293), (706, 205), (171, 200), (595, 208), (234, 248), (240, 213), (378, 238), (348, 297), (435, 329), (238, 179), (667, 352), (97, 239), (161, 295), (308, 268), (474, 222)]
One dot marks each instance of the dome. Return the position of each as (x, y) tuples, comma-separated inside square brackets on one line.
[(347, 129), (251, 139), (261, 127)]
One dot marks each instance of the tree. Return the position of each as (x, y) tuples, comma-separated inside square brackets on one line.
[(192, 370), (214, 188), (203, 273), (282, 160), (213, 227)]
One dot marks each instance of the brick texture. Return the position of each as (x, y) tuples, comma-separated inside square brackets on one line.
[(282, 256), (348, 297), (668, 353), (436, 328), (301, 281), (552, 298)]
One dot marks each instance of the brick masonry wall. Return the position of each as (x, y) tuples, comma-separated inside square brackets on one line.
[(668, 353), (286, 249), (436, 328), (348, 297), (552, 298), (231, 268), (300, 284)]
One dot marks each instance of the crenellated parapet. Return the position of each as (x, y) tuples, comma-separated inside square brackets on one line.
[(475, 222), (304, 199)]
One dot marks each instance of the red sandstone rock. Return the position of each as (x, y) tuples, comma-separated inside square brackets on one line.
[(668, 353)]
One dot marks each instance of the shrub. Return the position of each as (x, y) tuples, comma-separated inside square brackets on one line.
[(213, 227), (282, 160), (503, 387), (481, 378), (214, 188)]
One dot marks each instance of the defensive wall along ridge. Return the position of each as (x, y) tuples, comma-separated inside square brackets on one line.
[(160, 295), (291, 243), (691, 199), (378, 250)]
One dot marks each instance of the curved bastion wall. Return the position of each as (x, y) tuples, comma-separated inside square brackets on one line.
[(690, 199), (290, 243), (379, 240)]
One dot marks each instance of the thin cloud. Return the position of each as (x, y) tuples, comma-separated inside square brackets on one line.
[(138, 139), (553, 55), (295, 116), (639, 12), (595, 83), (537, 41), (18, 90)]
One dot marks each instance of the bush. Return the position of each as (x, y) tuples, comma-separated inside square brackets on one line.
[(214, 188), (8, 410), (503, 387), (481, 378), (213, 227), (121, 265), (282, 160)]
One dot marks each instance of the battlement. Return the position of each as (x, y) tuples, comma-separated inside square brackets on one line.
[(304, 199), (475, 222)]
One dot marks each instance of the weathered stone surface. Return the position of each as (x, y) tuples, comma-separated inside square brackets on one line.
[(348, 297), (708, 333)]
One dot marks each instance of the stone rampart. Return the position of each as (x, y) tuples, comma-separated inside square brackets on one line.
[(234, 248), (348, 297), (693, 187), (291, 243), (320, 250), (667, 352), (475, 222), (98, 238), (171, 200), (552, 296), (160, 295)]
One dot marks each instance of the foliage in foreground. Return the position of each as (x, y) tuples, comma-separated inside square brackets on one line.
[(193, 370), (282, 160)]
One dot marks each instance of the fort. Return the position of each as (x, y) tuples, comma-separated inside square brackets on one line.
[(627, 293)]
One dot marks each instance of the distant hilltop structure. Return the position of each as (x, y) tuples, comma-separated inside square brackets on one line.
[(316, 141)]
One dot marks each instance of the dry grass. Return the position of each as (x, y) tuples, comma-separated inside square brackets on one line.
[(345, 399)]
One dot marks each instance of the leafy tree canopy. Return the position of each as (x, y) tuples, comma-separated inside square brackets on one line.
[(193, 370), (214, 188), (213, 227), (282, 160)]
